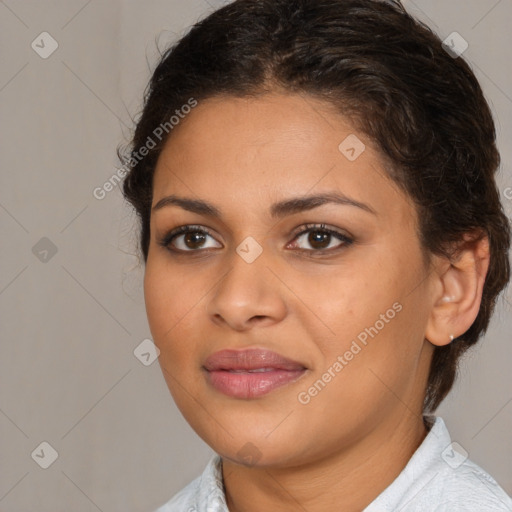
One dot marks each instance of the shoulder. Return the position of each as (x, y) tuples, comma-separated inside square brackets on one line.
[(184, 500), (205, 493), (439, 477), (460, 483), (467, 487)]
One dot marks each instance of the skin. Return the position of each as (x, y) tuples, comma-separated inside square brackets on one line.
[(344, 447)]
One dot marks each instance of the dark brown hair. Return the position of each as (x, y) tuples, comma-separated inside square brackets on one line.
[(389, 73)]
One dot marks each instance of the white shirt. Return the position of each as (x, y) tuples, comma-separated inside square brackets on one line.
[(437, 478)]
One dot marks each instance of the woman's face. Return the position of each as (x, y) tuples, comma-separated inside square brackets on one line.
[(348, 307)]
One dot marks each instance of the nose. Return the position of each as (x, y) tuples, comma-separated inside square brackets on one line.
[(248, 294)]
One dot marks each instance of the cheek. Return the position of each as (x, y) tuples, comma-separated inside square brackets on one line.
[(372, 308), (159, 303), (174, 302), (343, 303), (167, 301)]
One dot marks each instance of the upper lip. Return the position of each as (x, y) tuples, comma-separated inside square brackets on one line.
[(249, 359)]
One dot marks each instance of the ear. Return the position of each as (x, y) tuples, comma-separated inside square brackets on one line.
[(457, 290)]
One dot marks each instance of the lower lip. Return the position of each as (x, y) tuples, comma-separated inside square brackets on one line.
[(251, 385)]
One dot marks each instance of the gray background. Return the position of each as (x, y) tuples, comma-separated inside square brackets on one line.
[(70, 321)]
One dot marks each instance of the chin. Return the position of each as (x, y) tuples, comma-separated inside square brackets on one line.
[(257, 451)]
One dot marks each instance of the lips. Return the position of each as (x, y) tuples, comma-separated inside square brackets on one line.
[(250, 373), (253, 360)]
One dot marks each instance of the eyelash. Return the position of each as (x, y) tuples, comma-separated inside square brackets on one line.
[(168, 238)]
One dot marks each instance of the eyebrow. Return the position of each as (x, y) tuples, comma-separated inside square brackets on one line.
[(279, 209)]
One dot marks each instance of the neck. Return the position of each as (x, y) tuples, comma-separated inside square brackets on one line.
[(347, 480)]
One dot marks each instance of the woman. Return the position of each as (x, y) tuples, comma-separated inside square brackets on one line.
[(323, 239)]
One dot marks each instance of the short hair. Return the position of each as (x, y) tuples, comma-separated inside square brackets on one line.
[(390, 74)]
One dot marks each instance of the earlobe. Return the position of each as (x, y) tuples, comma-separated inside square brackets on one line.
[(458, 292)]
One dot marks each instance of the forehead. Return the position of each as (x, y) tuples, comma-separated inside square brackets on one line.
[(251, 151)]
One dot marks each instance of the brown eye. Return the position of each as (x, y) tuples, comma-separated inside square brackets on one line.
[(320, 239), (194, 239), (187, 239)]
